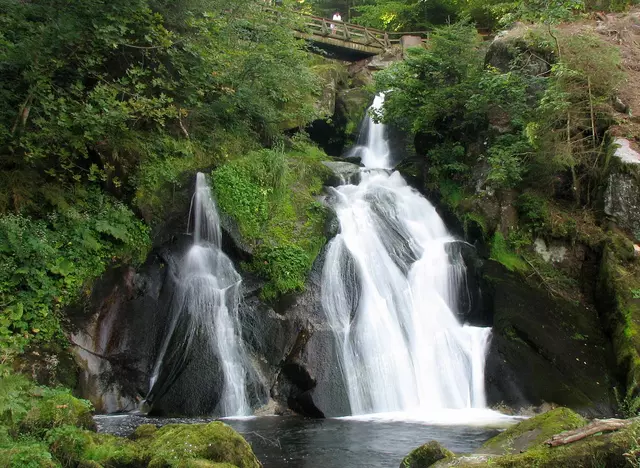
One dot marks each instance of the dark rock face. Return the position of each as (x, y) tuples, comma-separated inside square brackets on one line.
[(310, 381), (544, 349), (121, 328)]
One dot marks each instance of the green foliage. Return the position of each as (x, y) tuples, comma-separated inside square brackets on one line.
[(14, 397), (394, 15), (141, 71), (430, 88), (507, 161), (533, 211), (629, 402), (574, 106), (127, 98), (502, 253), (26, 453), (45, 263), (270, 195)]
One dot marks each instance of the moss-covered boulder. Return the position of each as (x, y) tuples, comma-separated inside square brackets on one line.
[(533, 432), (523, 445), (425, 455), (177, 443), (74, 446), (55, 408)]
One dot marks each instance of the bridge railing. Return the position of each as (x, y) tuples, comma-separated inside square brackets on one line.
[(317, 25)]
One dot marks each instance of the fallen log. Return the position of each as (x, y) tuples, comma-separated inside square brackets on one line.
[(594, 427)]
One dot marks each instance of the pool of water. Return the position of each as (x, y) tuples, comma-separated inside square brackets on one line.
[(332, 443)]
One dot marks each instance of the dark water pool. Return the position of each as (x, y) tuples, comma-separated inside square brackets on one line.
[(331, 443)]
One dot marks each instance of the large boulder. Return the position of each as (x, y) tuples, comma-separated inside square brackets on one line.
[(525, 444), (533, 58), (311, 381), (544, 348), (342, 173), (622, 195), (426, 455)]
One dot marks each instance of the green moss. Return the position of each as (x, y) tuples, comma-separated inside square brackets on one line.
[(501, 253), (55, 408), (473, 217), (144, 431), (72, 445), (426, 455), (217, 442), (270, 194), (534, 431)]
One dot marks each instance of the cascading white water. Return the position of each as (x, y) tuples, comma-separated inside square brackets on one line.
[(206, 306), (391, 281), (374, 148)]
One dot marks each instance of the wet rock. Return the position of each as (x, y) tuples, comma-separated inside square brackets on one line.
[(351, 106), (310, 381), (331, 74), (342, 173)]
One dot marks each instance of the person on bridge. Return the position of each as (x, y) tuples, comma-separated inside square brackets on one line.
[(336, 17)]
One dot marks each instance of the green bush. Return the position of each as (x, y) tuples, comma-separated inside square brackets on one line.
[(44, 263), (533, 211), (26, 453)]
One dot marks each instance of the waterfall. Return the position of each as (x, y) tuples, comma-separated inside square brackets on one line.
[(390, 285), (204, 311)]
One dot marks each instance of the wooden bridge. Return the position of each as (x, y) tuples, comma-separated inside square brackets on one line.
[(354, 40), (358, 39)]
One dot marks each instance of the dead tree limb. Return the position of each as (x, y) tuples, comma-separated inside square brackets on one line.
[(594, 427)]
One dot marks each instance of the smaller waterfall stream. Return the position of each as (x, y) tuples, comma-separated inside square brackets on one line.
[(391, 281), (204, 311)]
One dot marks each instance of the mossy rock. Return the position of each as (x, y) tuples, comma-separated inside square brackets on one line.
[(425, 455), (598, 450), (56, 408), (200, 463), (216, 442), (533, 432)]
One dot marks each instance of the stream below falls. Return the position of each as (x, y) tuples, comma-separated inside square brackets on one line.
[(287, 441)]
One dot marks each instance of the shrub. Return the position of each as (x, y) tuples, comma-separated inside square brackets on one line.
[(44, 263)]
